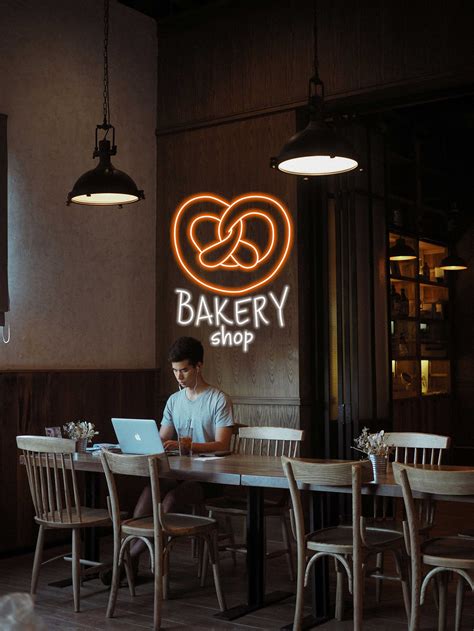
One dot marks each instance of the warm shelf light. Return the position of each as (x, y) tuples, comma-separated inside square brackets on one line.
[(105, 185), (453, 263), (401, 251)]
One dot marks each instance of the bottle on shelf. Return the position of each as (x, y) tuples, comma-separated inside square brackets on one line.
[(403, 304), (426, 271)]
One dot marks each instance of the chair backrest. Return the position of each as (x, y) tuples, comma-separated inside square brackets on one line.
[(411, 479), (235, 436), (52, 478), (142, 466), (418, 448), (440, 482), (352, 473), (269, 441)]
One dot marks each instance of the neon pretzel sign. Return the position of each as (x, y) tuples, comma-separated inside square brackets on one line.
[(231, 249)]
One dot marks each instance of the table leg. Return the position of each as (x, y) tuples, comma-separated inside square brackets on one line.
[(256, 598), (91, 535), (319, 518)]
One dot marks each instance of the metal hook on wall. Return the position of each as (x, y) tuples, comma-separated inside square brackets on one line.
[(7, 327)]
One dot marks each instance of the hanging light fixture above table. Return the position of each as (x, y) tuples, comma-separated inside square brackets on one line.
[(401, 251), (105, 185), (317, 149), (453, 263)]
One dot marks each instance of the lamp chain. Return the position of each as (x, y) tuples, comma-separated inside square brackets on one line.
[(106, 105), (315, 40)]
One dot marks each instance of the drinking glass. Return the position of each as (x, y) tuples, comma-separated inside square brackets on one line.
[(185, 439)]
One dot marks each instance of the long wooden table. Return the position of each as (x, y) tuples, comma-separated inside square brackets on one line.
[(257, 473)]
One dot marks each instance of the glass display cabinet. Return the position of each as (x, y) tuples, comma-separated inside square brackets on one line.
[(419, 321)]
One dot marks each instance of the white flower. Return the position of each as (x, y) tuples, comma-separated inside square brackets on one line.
[(372, 444), (80, 429)]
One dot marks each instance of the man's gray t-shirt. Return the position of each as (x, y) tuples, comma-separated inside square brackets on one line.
[(211, 409)]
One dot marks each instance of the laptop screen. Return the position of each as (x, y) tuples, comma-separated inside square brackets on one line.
[(138, 436)]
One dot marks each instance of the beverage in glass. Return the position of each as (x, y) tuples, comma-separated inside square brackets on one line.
[(185, 439)]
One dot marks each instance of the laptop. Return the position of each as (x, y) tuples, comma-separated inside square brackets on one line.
[(138, 436)]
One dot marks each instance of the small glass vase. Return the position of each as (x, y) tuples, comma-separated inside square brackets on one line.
[(379, 466), (81, 445)]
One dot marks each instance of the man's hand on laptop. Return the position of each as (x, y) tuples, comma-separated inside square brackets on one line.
[(170, 445)]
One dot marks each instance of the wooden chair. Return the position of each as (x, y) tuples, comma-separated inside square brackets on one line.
[(200, 509), (163, 529), (262, 441), (418, 448), (235, 436), (350, 546), (55, 494), (445, 555), (409, 448)]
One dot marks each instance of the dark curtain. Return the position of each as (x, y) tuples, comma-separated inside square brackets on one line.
[(4, 298)]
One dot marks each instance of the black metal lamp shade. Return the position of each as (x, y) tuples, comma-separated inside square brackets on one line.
[(316, 150), (401, 251), (453, 263), (105, 185)]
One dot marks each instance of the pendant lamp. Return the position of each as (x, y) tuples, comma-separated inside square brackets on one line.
[(105, 185), (401, 251), (453, 263), (318, 149)]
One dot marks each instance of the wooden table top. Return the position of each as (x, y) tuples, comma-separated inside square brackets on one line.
[(262, 471)]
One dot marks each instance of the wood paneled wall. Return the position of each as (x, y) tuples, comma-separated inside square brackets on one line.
[(31, 401), (229, 83), (256, 56), (230, 160)]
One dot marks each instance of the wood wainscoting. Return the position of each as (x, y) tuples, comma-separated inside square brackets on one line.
[(33, 400)]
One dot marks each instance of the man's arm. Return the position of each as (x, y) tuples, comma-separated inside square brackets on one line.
[(222, 442), (167, 435)]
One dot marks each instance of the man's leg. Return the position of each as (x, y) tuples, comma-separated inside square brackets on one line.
[(183, 497), (143, 507)]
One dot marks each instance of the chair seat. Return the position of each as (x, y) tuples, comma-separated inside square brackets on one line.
[(394, 525), (339, 539), (89, 517), (174, 524), (181, 524), (455, 552), (140, 526)]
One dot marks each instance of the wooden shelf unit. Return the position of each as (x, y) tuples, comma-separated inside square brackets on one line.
[(419, 322)]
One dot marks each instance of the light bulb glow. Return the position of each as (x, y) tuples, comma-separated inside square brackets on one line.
[(104, 199), (317, 165), (403, 257), (453, 268)]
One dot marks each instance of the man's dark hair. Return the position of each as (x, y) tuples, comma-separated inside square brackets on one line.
[(186, 348)]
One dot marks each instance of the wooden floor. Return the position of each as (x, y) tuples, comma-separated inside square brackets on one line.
[(192, 607)]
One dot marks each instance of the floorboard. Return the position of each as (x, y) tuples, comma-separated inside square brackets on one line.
[(192, 607)]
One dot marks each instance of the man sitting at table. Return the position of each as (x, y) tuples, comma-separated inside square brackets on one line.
[(210, 412)]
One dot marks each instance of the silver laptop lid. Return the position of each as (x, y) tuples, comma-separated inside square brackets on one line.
[(138, 436)]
